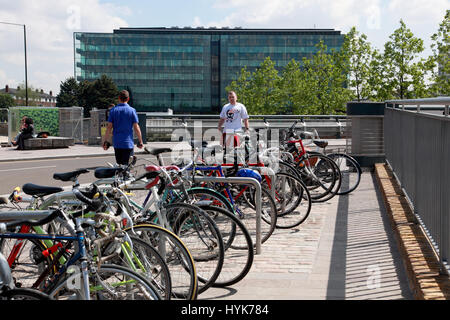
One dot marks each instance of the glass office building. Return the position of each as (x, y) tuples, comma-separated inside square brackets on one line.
[(187, 69)]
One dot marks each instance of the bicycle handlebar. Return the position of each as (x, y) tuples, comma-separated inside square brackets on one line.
[(94, 204)]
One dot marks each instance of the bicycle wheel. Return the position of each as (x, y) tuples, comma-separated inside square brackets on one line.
[(28, 260), (350, 171), (24, 294), (239, 252), (109, 282), (203, 239), (292, 198), (244, 198), (145, 260), (176, 255), (322, 168), (319, 174), (205, 197)]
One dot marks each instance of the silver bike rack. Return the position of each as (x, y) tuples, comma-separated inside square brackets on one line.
[(239, 180)]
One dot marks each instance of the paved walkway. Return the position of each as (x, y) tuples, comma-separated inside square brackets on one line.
[(344, 250)]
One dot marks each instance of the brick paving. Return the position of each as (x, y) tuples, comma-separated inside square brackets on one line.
[(344, 250)]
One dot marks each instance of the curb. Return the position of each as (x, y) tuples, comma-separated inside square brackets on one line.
[(419, 258), (94, 155)]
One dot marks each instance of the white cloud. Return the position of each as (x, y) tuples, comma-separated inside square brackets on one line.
[(50, 25), (376, 18)]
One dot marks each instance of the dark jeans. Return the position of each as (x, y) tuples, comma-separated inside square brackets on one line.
[(21, 140), (123, 155)]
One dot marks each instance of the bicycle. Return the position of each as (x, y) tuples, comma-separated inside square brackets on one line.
[(95, 282)]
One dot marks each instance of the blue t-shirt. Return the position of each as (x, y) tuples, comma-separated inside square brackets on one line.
[(123, 117)]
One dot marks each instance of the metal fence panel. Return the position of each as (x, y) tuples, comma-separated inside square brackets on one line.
[(418, 150)]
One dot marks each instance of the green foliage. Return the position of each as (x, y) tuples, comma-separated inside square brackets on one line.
[(44, 119), (359, 53), (323, 83), (68, 94), (6, 100), (96, 94), (439, 62), (325, 79), (405, 75)]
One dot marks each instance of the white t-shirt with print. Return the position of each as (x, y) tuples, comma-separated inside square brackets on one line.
[(233, 115)]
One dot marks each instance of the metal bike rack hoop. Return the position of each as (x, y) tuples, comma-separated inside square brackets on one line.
[(239, 180)]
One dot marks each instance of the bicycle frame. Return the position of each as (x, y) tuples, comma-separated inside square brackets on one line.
[(78, 255)]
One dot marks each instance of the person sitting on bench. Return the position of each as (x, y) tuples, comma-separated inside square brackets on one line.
[(26, 133)]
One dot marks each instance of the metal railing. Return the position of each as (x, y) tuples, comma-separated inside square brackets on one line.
[(418, 151), (328, 126)]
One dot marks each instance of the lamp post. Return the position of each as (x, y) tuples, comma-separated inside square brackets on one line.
[(25, 49)]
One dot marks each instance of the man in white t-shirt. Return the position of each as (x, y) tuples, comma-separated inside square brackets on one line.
[(231, 119)]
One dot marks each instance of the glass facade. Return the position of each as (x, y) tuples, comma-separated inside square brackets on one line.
[(187, 69)]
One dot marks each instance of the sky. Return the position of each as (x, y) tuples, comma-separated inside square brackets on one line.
[(50, 25)]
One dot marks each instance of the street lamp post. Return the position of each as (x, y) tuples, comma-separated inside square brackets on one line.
[(25, 49)]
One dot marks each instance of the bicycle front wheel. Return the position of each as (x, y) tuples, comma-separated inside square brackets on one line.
[(109, 282), (24, 294), (203, 239), (179, 260), (350, 172)]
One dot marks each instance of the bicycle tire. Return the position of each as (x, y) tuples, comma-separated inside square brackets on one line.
[(203, 239), (24, 294), (350, 168), (322, 184), (177, 256), (29, 263), (245, 206), (338, 177), (204, 197), (148, 262), (100, 290), (239, 252), (293, 200)]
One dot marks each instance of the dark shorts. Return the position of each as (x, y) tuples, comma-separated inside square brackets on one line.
[(123, 155)]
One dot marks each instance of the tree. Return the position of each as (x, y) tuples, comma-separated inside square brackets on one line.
[(88, 94), (6, 100), (292, 89), (405, 74), (68, 94), (104, 92), (359, 53), (325, 79), (439, 62), (258, 91)]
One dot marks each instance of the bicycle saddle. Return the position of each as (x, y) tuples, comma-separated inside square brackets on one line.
[(3, 200), (37, 190), (321, 143), (103, 173), (68, 176), (157, 151)]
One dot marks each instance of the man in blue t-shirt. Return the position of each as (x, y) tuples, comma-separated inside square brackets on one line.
[(121, 122)]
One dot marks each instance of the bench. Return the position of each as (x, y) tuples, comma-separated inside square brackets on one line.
[(48, 143)]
